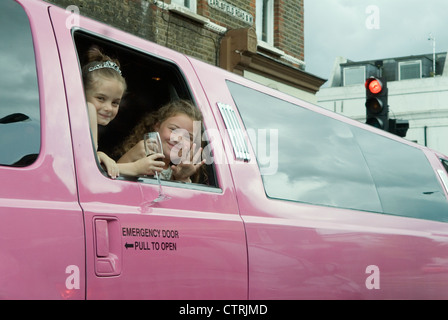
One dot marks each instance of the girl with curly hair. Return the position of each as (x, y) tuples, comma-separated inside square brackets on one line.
[(178, 123)]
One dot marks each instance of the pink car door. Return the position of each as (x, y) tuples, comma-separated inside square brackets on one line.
[(41, 222), (192, 246)]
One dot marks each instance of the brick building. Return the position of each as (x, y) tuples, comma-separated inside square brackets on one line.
[(259, 39)]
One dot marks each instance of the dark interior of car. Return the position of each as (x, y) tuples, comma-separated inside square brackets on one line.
[(151, 83)]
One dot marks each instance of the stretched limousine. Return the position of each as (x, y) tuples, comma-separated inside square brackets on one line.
[(295, 202)]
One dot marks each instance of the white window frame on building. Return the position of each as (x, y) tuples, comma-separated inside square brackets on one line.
[(189, 4), (350, 79), (402, 76), (265, 21)]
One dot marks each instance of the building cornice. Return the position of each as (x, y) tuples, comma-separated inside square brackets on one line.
[(239, 52)]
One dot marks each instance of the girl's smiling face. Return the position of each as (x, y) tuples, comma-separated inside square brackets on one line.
[(175, 132), (106, 96)]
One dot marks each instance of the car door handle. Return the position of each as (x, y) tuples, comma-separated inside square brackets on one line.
[(107, 246)]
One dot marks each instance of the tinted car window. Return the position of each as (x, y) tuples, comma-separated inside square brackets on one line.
[(324, 161), (19, 97), (319, 161), (406, 182), (445, 164)]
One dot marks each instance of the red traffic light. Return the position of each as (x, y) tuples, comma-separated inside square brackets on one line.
[(377, 109), (374, 85)]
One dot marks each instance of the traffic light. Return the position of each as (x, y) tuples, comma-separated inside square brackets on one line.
[(377, 109)]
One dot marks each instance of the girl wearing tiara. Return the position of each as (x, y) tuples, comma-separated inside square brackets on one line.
[(104, 88)]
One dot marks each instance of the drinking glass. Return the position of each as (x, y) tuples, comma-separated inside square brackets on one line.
[(153, 144)]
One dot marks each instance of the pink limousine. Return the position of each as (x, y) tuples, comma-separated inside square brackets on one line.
[(293, 201)]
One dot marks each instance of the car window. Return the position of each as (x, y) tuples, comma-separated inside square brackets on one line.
[(319, 161), (445, 164), (406, 182), (325, 161), (19, 96), (151, 83)]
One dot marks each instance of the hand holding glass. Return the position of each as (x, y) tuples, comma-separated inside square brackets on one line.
[(153, 144)]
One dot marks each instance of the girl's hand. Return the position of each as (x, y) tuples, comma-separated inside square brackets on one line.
[(184, 170), (149, 165), (110, 165)]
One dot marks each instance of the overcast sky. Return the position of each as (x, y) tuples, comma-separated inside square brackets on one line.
[(371, 30)]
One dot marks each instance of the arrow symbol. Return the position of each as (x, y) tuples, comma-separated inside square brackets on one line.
[(128, 245)]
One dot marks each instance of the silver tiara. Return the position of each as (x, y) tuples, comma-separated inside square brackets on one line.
[(108, 64)]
